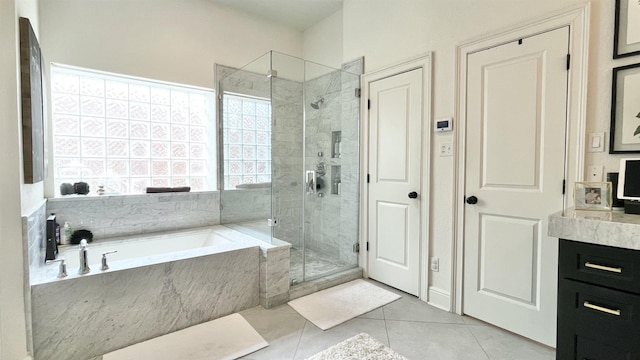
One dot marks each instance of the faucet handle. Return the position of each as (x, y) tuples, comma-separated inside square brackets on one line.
[(104, 259), (63, 267)]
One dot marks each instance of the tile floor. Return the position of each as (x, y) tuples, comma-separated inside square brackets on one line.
[(408, 325)]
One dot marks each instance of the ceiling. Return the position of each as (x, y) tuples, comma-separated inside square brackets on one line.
[(299, 14)]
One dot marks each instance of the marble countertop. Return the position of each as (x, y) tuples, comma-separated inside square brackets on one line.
[(597, 227)]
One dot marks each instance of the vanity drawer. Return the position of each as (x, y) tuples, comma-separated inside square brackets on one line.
[(608, 316), (600, 265)]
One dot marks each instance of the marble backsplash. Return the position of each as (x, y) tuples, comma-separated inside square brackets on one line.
[(111, 216)]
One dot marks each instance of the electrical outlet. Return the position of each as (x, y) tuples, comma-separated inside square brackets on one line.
[(446, 149), (435, 264), (595, 173)]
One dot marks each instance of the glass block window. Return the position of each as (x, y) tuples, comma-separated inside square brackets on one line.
[(246, 123), (128, 133)]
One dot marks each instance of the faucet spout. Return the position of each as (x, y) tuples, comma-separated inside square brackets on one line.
[(84, 262)]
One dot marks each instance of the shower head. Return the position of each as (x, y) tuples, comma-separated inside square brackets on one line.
[(316, 104)]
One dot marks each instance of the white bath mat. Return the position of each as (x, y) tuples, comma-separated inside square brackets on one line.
[(333, 306), (229, 337), (359, 347)]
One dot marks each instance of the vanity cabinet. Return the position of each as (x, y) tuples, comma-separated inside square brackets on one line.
[(598, 302)]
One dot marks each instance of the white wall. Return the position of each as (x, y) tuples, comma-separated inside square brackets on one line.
[(169, 40), (322, 43), (13, 344), (386, 34)]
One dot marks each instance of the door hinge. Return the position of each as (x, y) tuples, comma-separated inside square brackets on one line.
[(358, 92), (367, 246), (564, 186), (356, 248), (368, 178), (568, 61), (369, 104)]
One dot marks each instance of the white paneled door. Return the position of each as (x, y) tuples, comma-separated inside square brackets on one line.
[(395, 146), (515, 165)]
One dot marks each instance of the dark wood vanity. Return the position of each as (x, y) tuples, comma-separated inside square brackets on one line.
[(598, 286)]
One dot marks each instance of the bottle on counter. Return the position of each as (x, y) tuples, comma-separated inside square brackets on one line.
[(67, 231)]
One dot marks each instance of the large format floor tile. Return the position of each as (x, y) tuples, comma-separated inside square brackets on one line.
[(408, 326)]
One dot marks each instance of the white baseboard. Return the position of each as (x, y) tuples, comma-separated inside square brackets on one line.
[(439, 298)]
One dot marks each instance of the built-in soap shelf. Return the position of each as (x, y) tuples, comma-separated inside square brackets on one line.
[(336, 143), (336, 180)]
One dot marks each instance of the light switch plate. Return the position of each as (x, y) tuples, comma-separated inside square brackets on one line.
[(596, 142), (446, 149)]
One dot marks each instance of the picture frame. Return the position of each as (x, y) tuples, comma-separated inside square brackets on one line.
[(624, 134), (33, 105), (593, 196), (626, 40)]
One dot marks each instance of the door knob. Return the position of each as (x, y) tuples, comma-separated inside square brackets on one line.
[(413, 195), (472, 200)]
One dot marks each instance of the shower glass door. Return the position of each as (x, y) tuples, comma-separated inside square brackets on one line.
[(331, 154), (310, 152)]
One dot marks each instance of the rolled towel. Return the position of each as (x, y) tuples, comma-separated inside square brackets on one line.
[(154, 190)]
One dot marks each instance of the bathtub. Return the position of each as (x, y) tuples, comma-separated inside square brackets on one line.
[(148, 249), (154, 285)]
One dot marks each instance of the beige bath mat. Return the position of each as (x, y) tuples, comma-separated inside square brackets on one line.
[(360, 347), (229, 337), (333, 306)]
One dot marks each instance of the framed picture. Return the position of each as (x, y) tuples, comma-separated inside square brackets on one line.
[(626, 41), (592, 196), (32, 98), (625, 110)]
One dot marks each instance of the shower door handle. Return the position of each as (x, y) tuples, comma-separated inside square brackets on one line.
[(311, 182)]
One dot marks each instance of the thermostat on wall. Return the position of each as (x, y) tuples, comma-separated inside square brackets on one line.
[(443, 124)]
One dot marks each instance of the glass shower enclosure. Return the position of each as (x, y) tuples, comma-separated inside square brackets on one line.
[(290, 150)]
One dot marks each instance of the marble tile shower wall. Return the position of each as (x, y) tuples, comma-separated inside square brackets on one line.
[(287, 168), (333, 218), (112, 216)]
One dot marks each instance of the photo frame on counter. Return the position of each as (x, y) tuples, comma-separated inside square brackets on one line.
[(626, 41), (592, 196), (625, 110)]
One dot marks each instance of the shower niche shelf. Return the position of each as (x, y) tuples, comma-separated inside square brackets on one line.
[(336, 180), (336, 139)]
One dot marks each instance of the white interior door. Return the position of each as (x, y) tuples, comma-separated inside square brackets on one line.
[(515, 151), (395, 131)]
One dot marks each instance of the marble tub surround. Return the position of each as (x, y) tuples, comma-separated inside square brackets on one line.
[(34, 229), (603, 228), (120, 215), (274, 266), (86, 316)]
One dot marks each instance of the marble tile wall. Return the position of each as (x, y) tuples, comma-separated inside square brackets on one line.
[(245, 205), (287, 167), (332, 220), (110, 216), (33, 239), (112, 310), (274, 276)]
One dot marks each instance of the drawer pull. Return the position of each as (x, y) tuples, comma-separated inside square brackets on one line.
[(600, 308), (603, 268)]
